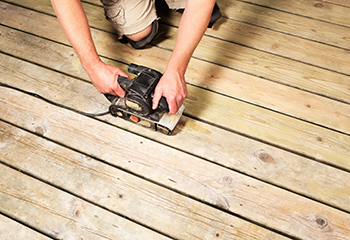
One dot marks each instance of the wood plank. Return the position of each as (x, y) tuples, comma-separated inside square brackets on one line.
[(115, 190), (10, 230), (297, 135), (340, 2), (278, 69), (266, 40), (321, 10), (332, 34), (59, 214), (313, 29), (304, 176), (247, 87), (234, 192), (260, 63), (213, 183)]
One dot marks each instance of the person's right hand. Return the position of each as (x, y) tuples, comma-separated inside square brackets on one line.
[(105, 78)]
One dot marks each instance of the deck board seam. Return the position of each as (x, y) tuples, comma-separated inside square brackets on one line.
[(337, 4), (180, 150), (163, 186), (282, 32), (294, 13), (23, 223), (228, 129), (233, 68), (76, 195), (231, 130), (152, 182), (265, 78)]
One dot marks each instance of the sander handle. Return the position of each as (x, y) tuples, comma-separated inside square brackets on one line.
[(126, 83)]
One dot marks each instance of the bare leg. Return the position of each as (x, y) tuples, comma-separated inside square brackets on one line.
[(140, 35)]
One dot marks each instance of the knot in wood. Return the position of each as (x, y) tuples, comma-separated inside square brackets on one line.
[(274, 46), (321, 222), (265, 157), (318, 5), (40, 130)]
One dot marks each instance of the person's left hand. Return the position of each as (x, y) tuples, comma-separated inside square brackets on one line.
[(172, 86)]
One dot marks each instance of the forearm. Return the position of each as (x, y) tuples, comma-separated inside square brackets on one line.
[(192, 26), (74, 23)]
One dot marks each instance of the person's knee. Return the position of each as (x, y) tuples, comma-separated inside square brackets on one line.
[(141, 35)]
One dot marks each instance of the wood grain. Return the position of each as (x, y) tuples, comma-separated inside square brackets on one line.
[(263, 116), (195, 137), (299, 136), (340, 2), (322, 10), (59, 214), (271, 67), (216, 185), (10, 229), (285, 22), (116, 190)]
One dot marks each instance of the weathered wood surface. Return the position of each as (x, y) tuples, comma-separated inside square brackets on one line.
[(248, 166), (213, 184), (10, 229), (114, 189), (56, 213), (277, 69), (329, 146), (285, 22), (255, 63), (206, 138), (321, 10), (340, 2)]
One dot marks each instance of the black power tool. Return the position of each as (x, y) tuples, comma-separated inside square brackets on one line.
[(136, 106)]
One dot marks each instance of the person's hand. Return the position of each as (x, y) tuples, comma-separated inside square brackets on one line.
[(105, 78), (172, 86)]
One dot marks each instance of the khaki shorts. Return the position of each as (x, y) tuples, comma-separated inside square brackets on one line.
[(132, 16)]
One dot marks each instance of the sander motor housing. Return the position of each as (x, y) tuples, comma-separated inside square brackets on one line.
[(136, 106)]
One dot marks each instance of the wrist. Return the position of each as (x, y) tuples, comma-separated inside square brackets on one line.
[(91, 63), (177, 65)]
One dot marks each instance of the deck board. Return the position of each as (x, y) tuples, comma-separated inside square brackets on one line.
[(286, 22), (117, 190), (215, 185), (267, 127), (321, 10), (192, 133), (245, 118), (269, 66), (10, 228)]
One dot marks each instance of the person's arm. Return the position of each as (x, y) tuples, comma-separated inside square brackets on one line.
[(74, 23), (192, 26)]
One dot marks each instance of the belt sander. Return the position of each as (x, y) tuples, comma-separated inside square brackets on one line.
[(136, 106)]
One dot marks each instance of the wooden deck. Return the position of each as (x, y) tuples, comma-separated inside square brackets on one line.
[(262, 151)]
